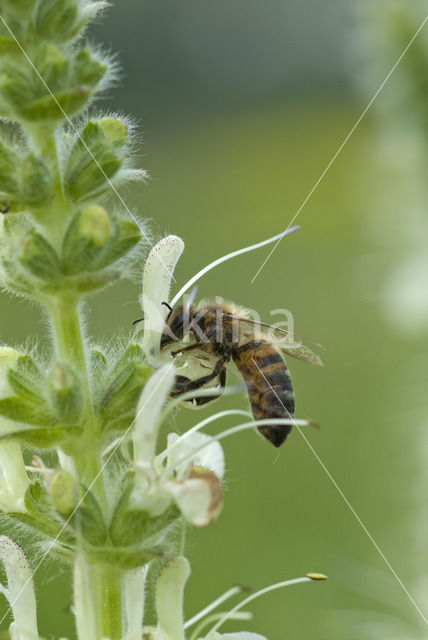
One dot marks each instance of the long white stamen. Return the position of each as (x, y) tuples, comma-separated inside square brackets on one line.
[(239, 252), (225, 596), (253, 596), (237, 429), (240, 615), (202, 423)]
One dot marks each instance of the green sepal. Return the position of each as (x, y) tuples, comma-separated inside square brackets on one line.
[(85, 283), (23, 410), (54, 107), (25, 386), (124, 389), (43, 438), (39, 257), (125, 237), (129, 526), (98, 363), (53, 66), (89, 519), (94, 160), (41, 514), (36, 181), (84, 239), (126, 559), (87, 70), (9, 160), (57, 20), (65, 394)]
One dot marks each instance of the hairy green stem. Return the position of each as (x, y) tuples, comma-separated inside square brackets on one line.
[(106, 585)]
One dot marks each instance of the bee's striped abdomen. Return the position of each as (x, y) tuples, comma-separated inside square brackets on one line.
[(269, 386)]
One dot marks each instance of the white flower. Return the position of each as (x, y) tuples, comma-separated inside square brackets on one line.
[(188, 472), (19, 591)]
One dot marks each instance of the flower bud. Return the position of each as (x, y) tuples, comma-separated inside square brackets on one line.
[(39, 257), (65, 394), (87, 233), (65, 492), (95, 158)]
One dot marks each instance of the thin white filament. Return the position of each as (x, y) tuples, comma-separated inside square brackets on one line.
[(228, 256), (241, 615), (253, 596), (237, 429), (225, 596), (203, 423)]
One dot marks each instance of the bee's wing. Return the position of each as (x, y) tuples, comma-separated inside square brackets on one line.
[(301, 352), (285, 340)]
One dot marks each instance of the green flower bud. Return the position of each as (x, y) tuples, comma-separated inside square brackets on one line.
[(115, 130), (65, 492), (87, 233), (65, 394), (95, 158), (39, 257)]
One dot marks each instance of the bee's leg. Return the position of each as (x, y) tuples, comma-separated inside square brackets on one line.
[(201, 400), (190, 347), (185, 384)]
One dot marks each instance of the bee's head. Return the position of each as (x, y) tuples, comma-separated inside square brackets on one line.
[(177, 324)]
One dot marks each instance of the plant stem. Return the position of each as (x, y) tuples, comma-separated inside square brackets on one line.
[(106, 586)]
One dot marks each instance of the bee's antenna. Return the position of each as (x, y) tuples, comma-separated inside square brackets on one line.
[(167, 305), (138, 320)]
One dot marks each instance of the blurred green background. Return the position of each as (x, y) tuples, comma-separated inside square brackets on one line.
[(241, 107)]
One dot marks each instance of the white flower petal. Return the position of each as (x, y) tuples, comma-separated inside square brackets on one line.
[(199, 498), (210, 457), (147, 420), (19, 590), (169, 597), (157, 276)]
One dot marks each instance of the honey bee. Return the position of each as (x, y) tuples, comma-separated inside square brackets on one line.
[(223, 333)]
